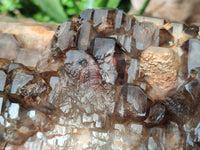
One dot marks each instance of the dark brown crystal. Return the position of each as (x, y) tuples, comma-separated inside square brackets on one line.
[(107, 81)]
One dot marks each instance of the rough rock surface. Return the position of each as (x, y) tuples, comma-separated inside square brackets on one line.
[(107, 81), (24, 39), (173, 10)]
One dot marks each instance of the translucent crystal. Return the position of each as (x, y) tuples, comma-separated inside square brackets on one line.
[(40, 120), (111, 60), (13, 136), (157, 21), (165, 38), (28, 57), (82, 67), (2, 80), (107, 81), (8, 43), (193, 54), (177, 30), (132, 103), (13, 110), (150, 37), (132, 71), (64, 40), (180, 105), (1, 103), (193, 88), (85, 38), (20, 79), (156, 115), (137, 99)]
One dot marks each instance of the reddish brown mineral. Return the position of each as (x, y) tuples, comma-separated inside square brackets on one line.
[(108, 81)]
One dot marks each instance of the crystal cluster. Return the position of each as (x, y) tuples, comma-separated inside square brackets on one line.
[(108, 81)]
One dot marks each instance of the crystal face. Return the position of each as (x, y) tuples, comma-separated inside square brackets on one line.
[(108, 81)]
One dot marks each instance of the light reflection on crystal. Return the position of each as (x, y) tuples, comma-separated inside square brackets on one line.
[(132, 71), (13, 110), (157, 21), (1, 120), (1, 103), (2, 80), (193, 54), (19, 81)]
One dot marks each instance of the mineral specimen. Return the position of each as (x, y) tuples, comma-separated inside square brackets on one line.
[(108, 81)]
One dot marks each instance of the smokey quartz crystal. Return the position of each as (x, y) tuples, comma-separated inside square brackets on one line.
[(108, 81)]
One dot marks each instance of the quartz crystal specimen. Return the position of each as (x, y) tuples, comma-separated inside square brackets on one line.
[(107, 81)]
